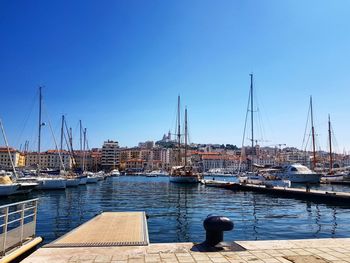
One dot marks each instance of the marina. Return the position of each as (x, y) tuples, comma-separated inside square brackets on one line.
[(175, 212)]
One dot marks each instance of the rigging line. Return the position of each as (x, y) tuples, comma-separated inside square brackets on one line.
[(53, 136), (306, 126), (29, 113), (244, 130), (307, 142)]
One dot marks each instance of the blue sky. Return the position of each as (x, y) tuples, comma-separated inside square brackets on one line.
[(119, 66)]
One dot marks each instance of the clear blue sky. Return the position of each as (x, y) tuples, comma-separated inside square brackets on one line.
[(119, 66)]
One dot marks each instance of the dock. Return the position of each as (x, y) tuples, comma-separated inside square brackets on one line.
[(318, 196), (121, 237), (106, 230), (269, 251)]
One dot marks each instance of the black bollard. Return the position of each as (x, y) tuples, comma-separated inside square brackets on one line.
[(215, 227)]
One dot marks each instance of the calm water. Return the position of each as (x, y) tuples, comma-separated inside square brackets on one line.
[(176, 212)]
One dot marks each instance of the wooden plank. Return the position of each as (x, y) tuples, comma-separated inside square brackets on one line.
[(108, 229)]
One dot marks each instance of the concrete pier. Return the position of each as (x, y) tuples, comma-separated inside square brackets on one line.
[(277, 251)]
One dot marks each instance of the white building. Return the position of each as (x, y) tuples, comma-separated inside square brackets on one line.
[(110, 157)]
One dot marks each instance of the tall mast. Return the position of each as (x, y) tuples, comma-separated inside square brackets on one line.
[(185, 136), (178, 130), (330, 144), (252, 109), (313, 136), (81, 133), (62, 133), (83, 163), (252, 117), (40, 124)]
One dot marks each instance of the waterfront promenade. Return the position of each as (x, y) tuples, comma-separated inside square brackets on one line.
[(277, 251)]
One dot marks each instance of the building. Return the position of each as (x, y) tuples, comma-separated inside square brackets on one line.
[(110, 155), (18, 158), (49, 159)]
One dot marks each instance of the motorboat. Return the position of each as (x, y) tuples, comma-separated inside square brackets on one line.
[(329, 178), (298, 173), (114, 173), (264, 179), (156, 173)]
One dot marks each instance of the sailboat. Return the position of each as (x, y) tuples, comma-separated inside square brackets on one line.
[(10, 185), (298, 173), (331, 176), (183, 173), (259, 177), (45, 181)]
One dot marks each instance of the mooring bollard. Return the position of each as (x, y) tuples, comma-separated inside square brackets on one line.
[(215, 227)]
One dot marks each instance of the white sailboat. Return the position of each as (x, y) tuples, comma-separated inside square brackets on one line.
[(10, 185), (257, 177), (45, 181)]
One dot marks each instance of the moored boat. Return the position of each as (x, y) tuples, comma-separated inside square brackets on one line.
[(297, 173)]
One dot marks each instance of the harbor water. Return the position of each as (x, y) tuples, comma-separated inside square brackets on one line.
[(176, 212)]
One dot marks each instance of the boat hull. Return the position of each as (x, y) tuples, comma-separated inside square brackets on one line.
[(72, 182), (26, 188), (302, 178), (8, 189), (92, 180), (332, 178), (82, 180), (52, 184), (184, 179)]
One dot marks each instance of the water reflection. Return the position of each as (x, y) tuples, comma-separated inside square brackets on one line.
[(176, 212)]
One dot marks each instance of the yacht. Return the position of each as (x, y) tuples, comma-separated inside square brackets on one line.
[(264, 179), (115, 173), (156, 173), (330, 178), (297, 173), (91, 178)]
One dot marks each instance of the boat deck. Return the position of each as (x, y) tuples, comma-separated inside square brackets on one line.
[(107, 229)]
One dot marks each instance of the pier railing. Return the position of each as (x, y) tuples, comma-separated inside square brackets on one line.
[(17, 224)]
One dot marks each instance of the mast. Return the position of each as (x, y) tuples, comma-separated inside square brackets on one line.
[(40, 124), (330, 144), (186, 136), (8, 149), (83, 163), (62, 132), (81, 133), (252, 109), (252, 118), (178, 130), (313, 136)]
